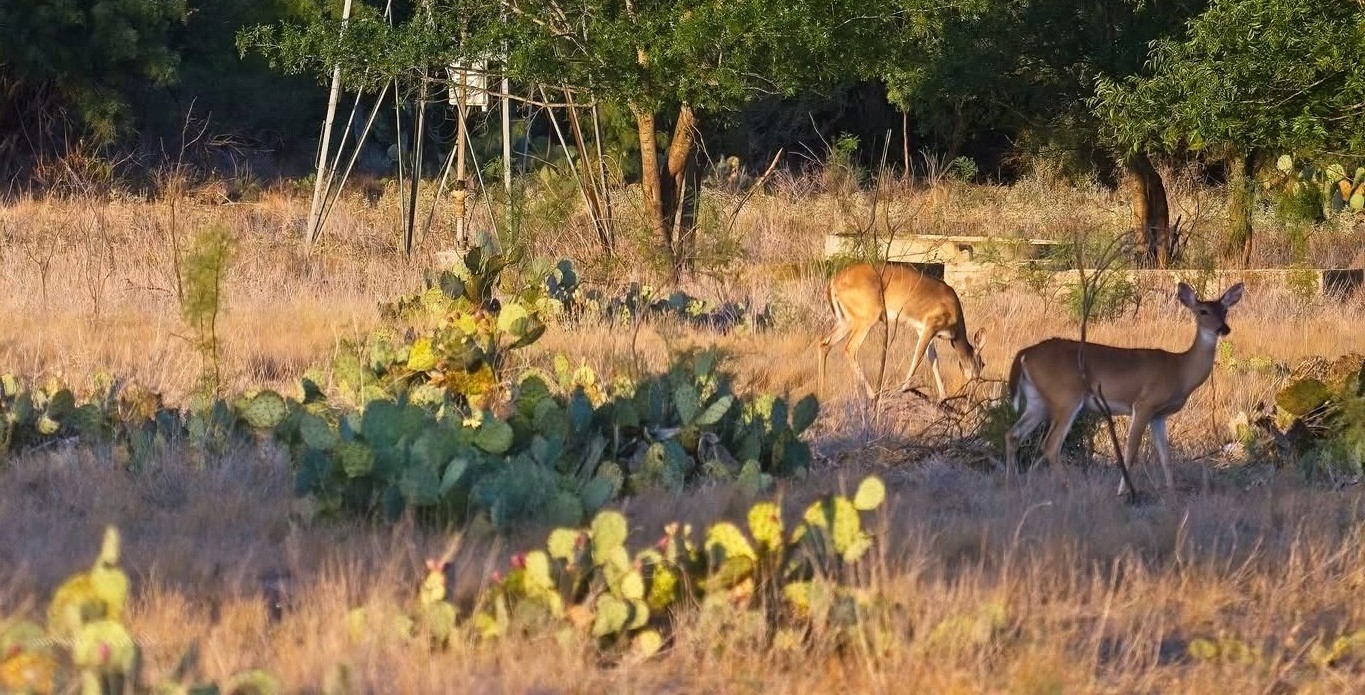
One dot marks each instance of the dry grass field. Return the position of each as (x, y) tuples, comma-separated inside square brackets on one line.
[(1096, 595)]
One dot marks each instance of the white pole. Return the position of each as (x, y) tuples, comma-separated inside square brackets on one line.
[(506, 138), (315, 211)]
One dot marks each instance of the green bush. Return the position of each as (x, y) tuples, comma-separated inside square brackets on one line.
[(1320, 424), (1112, 297)]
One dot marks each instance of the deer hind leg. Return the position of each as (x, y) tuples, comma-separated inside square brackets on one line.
[(1063, 417), (851, 352), (1136, 426), (1034, 414), (840, 332)]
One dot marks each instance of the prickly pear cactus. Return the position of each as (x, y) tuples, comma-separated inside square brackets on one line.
[(263, 411)]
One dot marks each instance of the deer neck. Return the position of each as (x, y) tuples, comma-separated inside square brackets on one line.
[(1196, 363)]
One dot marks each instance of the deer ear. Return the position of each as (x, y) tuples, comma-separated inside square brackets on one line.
[(1233, 295), (976, 338), (1186, 294)]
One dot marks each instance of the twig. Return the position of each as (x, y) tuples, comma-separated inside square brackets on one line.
[(1120, 246)]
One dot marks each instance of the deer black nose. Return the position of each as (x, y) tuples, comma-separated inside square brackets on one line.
[(1224, 330)]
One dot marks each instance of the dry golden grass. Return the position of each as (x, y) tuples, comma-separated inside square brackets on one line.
[(1099, 596)]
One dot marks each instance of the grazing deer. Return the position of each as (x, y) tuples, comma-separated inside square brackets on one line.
[(1146, 383), (859, 295)]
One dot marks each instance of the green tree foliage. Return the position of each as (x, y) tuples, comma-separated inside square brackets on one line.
[(86, 54), (683, 59), (1248, 79), (90, 74), (1018, 65)]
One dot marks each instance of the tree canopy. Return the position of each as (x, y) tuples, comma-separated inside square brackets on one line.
[(1249, 75)]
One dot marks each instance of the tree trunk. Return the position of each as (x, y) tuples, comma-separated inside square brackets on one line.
[(905, 145), (670, 195), (1242, 198), (680, 201), (649, 172), (1151, 215)]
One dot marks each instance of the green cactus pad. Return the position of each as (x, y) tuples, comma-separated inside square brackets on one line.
[(609, 531), (495, 437), (797, 596), (639, 614), (89, 421), (420, 486), (421, 358), (47, 426), (968, 630), (564, 509), (597, 492), (752, 480), (646, 644), (265, 410), (612, 616), (1302, 397), (715, 411), (110, 546), (110, 586), (433, 589), (804, 414), (687, 402), (871, 493), (252, 682), (23, 636), (316, 433), (765, 524), (104, 646), (60, 404), (356, 458), (1358, 201), (538, 570), (453, 473), (563, 544), (663, 589), (9, 385), (724, 540), (631, 586)]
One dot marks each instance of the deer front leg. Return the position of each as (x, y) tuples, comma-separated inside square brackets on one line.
[(1163, 448), (1136, 426), (922, 346)]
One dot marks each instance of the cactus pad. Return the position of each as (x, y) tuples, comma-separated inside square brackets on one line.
[(316, 433), (871, 493), (609, 531), (264, 411), (724, 540), (104, 646), (563, 544), (1302, 397), (495, 437), (612, 616), (356, 458), (765, 524)]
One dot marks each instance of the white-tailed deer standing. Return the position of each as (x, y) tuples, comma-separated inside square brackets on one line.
[(1146, 383), (859, 293)]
